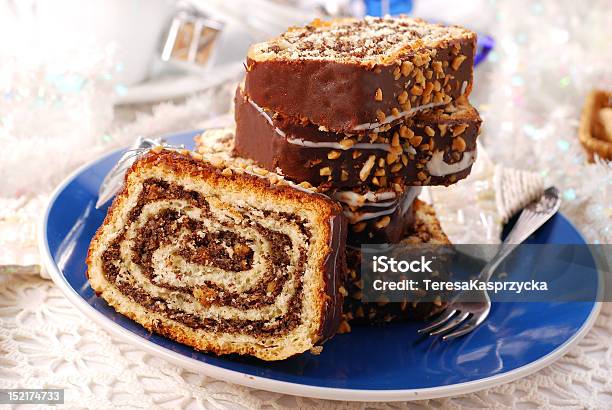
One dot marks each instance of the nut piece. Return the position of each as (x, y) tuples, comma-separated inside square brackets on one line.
[(394, 154), (347, 143), (407, 67), (403, 97), (416, 90), (344, 327), (395, 140), (325, 171), (333, 155), (442, 128), (437, 67), (380, 115), (359, 227), (429, 131), (457, 61), (378, 95), (383, 222), (397, 167), (459, 129), (367, 167), (416, 140), (459, 144), (419, 77), (397, 73), (421, 59), (305, 184), (316, 350), (406, 132)]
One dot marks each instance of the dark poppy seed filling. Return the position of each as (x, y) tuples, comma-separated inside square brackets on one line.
[(162, 228)]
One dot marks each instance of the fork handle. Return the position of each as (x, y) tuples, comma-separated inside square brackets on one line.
[(524, 226), (505, 250), (527, 223)]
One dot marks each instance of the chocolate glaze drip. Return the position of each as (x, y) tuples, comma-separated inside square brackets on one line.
[(335, 266)]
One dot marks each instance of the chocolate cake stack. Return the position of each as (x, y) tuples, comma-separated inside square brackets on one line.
[(367, 111)]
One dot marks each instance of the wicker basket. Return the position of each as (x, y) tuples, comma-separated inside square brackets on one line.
[(592, 133)]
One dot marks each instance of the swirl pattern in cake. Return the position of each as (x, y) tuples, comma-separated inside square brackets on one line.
[(224, 258)]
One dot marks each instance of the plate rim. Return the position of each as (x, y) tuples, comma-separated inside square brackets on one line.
[(279, 386)]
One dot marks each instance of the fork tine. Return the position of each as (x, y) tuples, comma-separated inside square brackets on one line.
[(463, 330), (456, 321), (467, 327), (439, 321)]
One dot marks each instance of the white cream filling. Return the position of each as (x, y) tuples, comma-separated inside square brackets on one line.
[(337, 145), (411, 195), (390, 118), (437, 167), (267, 117), (403, 204), (355, 217), (313, 144), (354, 199)]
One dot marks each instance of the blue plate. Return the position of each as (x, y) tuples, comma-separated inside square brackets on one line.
[(370, 363)]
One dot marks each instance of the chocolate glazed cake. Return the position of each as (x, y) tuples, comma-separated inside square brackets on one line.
[(437, 147), (381, 215), (354, 75), (425, 230), (222, 256)]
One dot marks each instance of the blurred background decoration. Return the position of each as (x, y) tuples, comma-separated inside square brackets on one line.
[(163, 49)]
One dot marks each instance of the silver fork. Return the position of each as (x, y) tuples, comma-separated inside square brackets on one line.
[(460, 318)]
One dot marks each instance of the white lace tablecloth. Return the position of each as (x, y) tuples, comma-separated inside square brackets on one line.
[(529, 94)]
